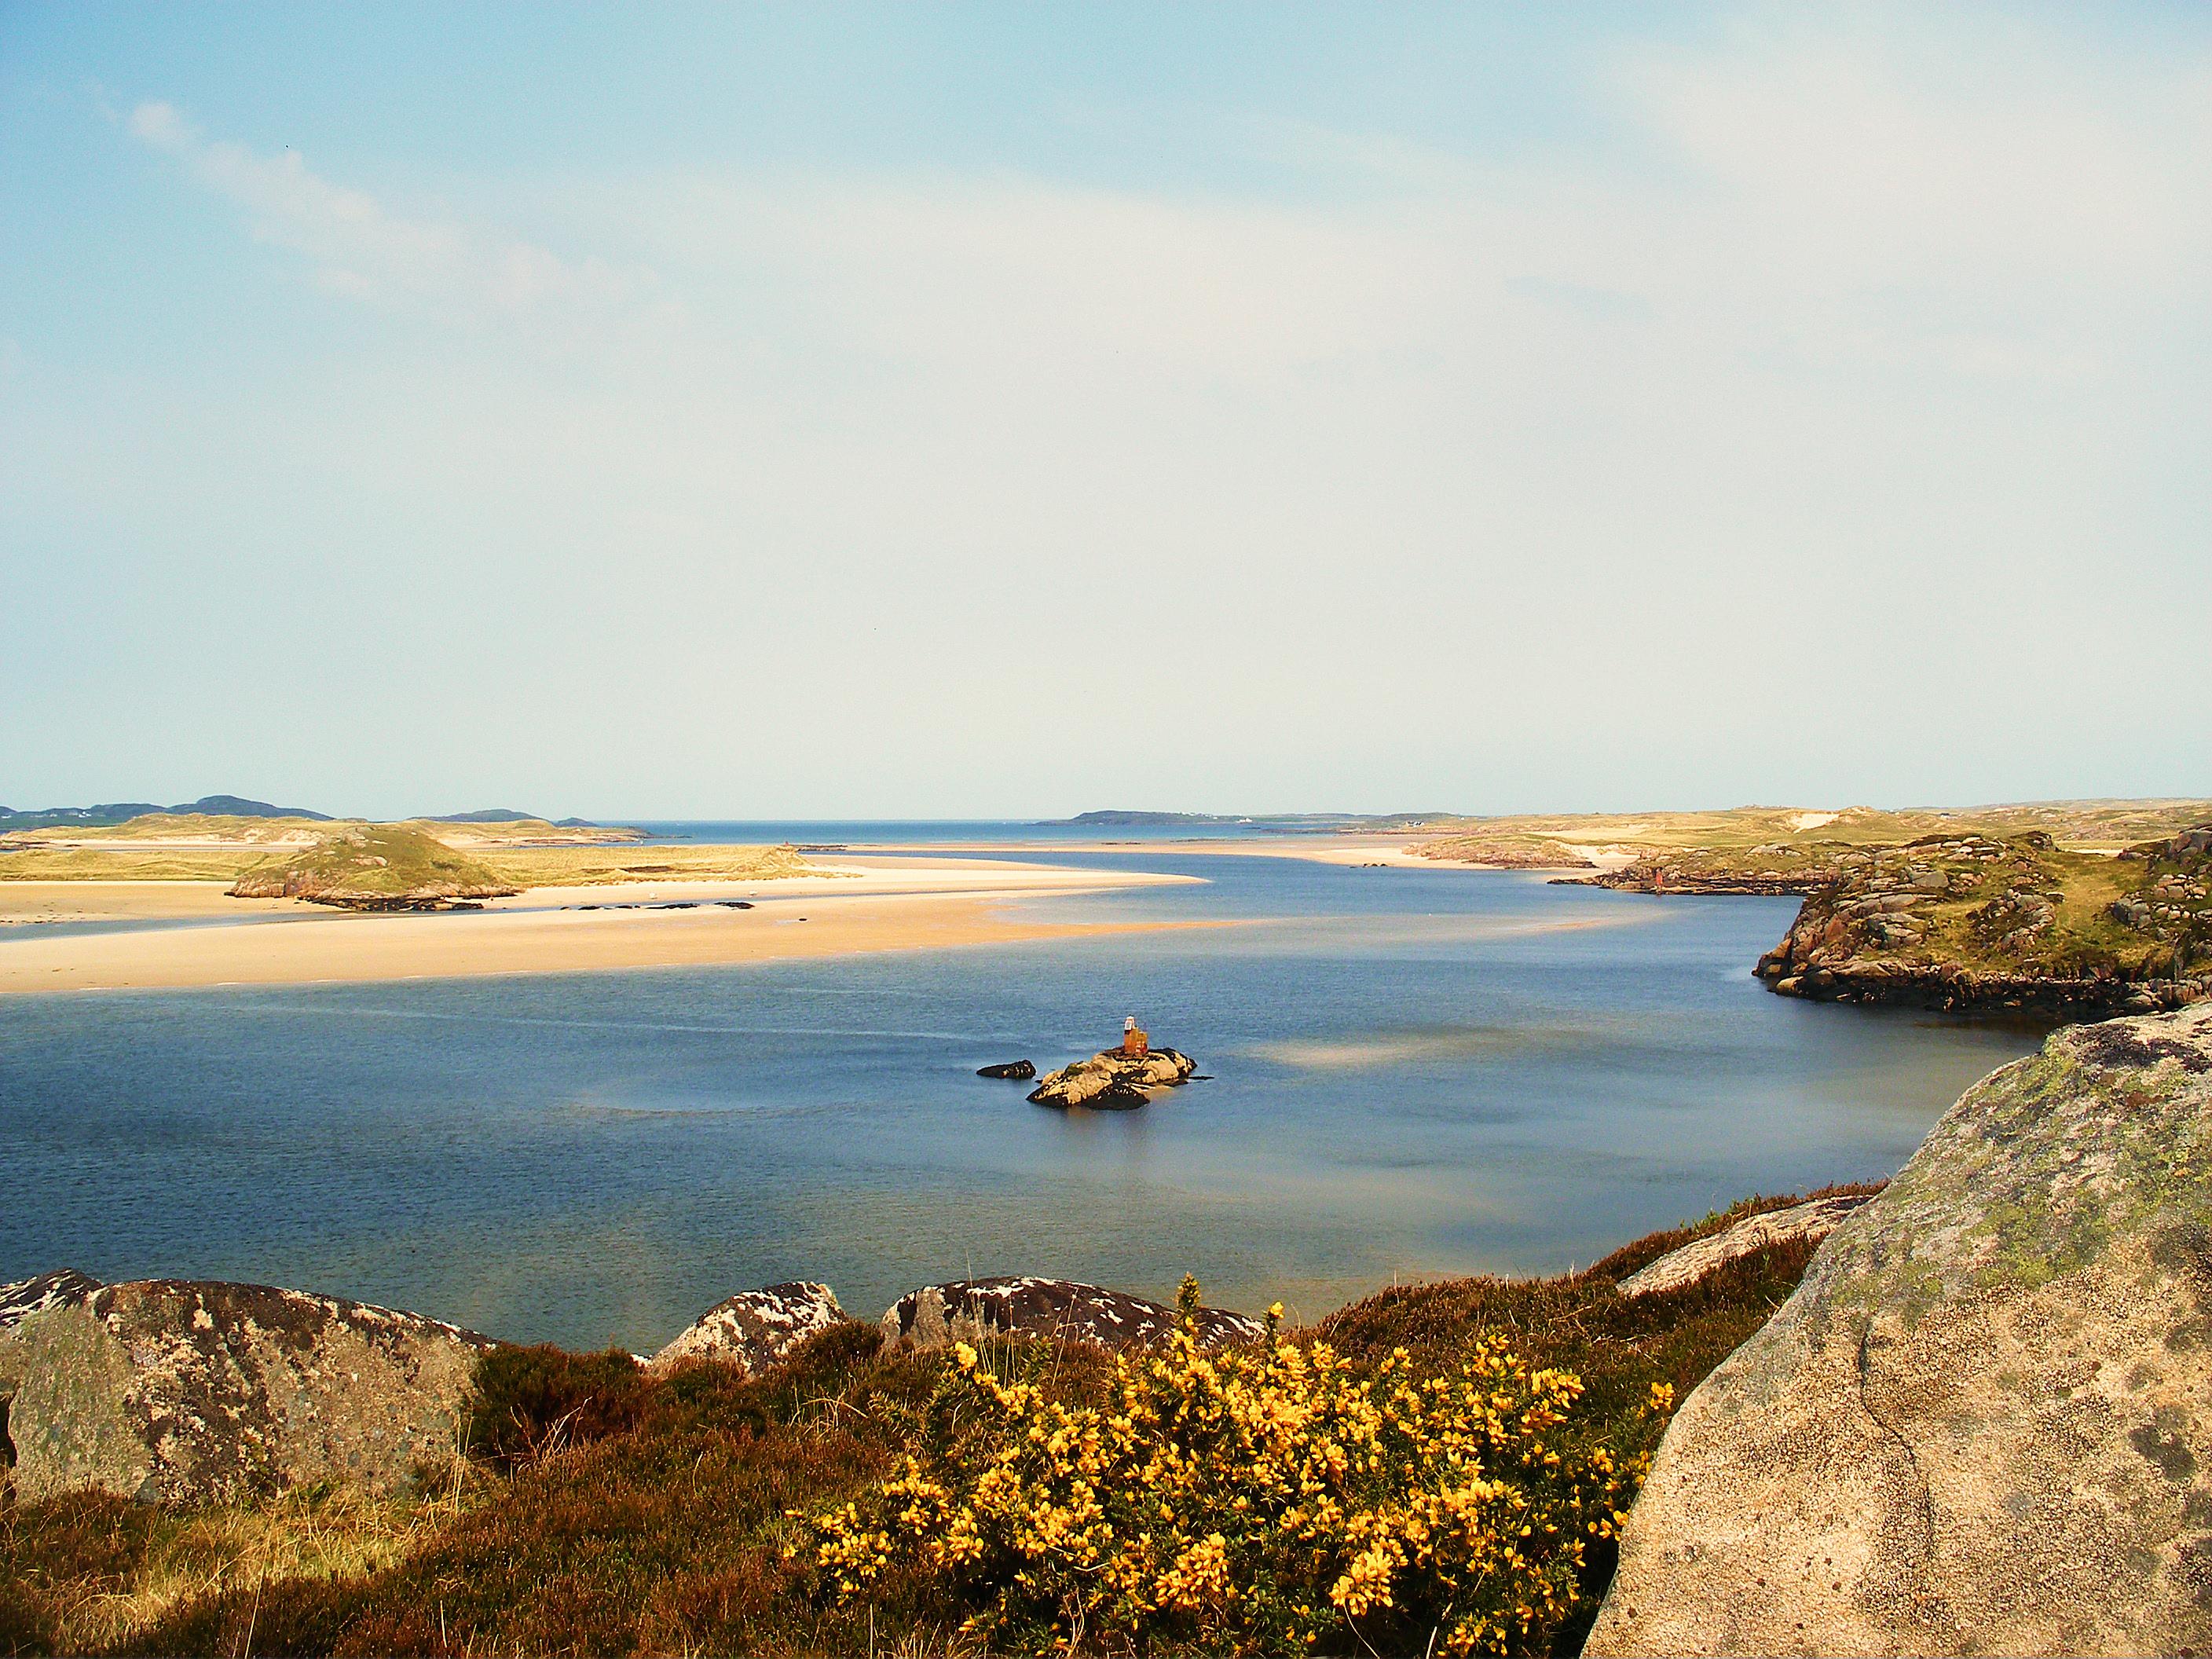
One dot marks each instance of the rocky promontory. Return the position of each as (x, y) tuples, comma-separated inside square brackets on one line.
[(1982, 1422), (1969, 922), (1114, 1080)]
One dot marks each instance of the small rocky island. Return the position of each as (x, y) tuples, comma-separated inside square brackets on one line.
[(376, 867), (1117, 1079)]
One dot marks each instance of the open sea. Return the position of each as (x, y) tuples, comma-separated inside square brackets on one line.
[(1412, 1073)]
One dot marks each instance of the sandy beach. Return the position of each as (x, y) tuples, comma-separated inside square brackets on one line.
[(204, 938)]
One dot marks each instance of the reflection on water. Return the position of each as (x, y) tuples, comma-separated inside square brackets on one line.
[(1415, 1072)]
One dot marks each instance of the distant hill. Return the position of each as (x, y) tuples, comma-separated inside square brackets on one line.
[(1130, 820), (496, 814), (109, 813)]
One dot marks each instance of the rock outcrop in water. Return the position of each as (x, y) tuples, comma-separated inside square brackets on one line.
[(1049, 1309), (1011, 1071), (172, 1391), (754, 1329), (1114, 1081), (1983, 1421)]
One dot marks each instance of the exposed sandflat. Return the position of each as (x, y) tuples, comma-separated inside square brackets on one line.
[(890, 905)]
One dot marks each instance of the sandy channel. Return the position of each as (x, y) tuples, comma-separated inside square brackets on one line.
[(858, 905)]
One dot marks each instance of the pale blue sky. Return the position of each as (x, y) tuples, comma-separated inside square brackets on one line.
[(1012, 410)]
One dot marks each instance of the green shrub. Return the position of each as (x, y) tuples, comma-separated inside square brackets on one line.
[(1270, 1500)]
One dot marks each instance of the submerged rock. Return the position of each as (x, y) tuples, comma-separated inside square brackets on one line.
[(755, 1328), (1114, 1081), (1052, 1308), (1814, 1221), (1018, 1071), (1983, 1421), (172, 1391)]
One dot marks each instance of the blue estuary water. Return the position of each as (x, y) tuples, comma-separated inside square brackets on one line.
[(1414, 1073)]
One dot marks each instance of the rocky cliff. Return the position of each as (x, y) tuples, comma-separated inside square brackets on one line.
[(1982, 1422)]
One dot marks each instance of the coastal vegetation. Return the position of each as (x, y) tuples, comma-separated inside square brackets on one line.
[(505, 855), (1717, 841), (612, 1510), (1967, 921), (373, 867)]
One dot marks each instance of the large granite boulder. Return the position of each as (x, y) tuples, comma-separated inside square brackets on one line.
[(1113, 1081), (755, 1328), (167, 1390), (1052, 1309), (1984, 1422)]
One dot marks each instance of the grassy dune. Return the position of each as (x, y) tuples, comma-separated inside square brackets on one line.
[(521, 854), (374, 866), (2084, 825)]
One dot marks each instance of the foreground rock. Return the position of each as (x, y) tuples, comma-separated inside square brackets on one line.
[(25, 1296), (1049, 1309), (754, 1329), (1969, 922), (1983, 1421), (171, 1391), (1114, 1081), (1810, 1221)]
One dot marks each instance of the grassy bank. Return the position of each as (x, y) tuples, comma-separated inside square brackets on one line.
[(611, 1512)]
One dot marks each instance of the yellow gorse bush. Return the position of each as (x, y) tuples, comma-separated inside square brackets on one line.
[(1270, 1499)]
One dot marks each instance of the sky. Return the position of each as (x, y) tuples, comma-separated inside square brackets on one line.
[(999, 410)]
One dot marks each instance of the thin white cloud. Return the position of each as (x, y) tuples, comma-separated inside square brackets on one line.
[(361, 251)]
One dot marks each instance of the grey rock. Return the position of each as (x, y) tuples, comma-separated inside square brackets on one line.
[(1813, 1220), (1050, 1308), (1983, 1421), (185, 1392), (754, 1329)]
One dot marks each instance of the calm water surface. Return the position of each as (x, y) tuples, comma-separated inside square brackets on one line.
[(1415, 1073)]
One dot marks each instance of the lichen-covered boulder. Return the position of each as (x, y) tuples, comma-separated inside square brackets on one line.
[(1984, 1422), (167, 1390), (1113, 1081), (1813, 1220), (25, 1296), (755, 1328), (1051, 1308)]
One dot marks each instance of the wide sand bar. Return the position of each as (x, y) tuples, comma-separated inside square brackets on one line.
[(857, 905)]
